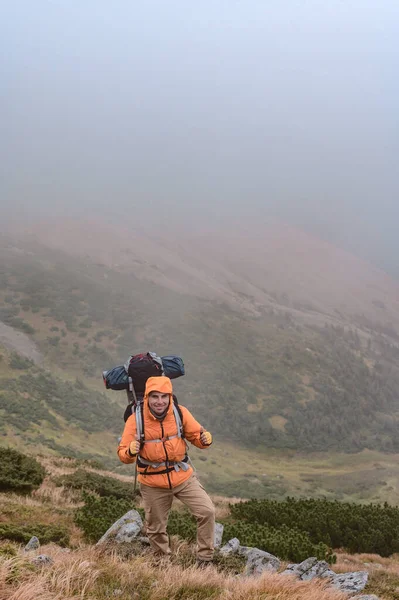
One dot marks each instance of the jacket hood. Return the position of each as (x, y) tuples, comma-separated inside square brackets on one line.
[(158, 384)]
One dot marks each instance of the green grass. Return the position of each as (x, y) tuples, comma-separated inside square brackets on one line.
[(364, 476)]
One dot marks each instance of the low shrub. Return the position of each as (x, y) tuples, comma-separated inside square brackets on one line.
[(93, 482), (287, 544), (45, 533), (19, 473), (18, 362), (367, 528), (182, 524), (98, 514)]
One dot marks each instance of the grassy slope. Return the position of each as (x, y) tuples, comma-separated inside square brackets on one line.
[(85, 572), (270, 380)]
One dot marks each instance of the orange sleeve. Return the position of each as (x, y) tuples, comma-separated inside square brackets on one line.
[(192, 429), (128, 436)]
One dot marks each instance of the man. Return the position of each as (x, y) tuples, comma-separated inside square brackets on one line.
[(164, 472)]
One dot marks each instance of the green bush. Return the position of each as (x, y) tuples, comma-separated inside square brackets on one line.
[(98, 514), (18, 472), (93, 482), (287, 544), (45, 533), (182, 524), (19, 362), (368, 528)]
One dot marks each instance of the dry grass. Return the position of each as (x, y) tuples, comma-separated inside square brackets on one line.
[(383, 572), (88, 574), (49, 493), (369, 562)]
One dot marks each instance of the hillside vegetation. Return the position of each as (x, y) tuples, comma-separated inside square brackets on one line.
[(68, 515), (263, 380)]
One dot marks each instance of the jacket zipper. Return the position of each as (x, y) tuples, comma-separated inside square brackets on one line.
[(166, 454)]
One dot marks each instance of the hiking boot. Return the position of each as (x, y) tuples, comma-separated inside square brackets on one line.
[(203, 564)]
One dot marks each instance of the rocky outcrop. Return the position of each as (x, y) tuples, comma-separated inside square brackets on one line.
[(231, 546), (350, 582), (33, 544), (258, 561), (126, 529), (309, 568), (42, 559), (345, 582), (218, 535)]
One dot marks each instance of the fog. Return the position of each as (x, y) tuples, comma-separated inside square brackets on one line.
[(204, 112)]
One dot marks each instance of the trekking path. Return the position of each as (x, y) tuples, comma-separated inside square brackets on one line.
[(19, 342)]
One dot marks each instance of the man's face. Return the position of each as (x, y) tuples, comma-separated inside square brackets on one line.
[(158, 402)]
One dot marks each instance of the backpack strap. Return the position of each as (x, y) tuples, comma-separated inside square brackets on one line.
[(140, 422)]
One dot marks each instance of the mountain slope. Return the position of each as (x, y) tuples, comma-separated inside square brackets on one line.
[(265, 367)]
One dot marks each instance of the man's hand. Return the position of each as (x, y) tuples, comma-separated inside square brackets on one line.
[(134, 447), (205, 437)]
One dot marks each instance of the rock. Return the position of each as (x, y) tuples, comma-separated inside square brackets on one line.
[(309, 569), (33, 544), (259, 561), (231, 546), (366, 597), (350, 582), (320, 569), (128, 532), (41, 560), (218, 535), (125, 529)]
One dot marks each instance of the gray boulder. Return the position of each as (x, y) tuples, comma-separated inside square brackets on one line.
[(366, 597), (230, 547), (350, 582), (125, 529), (33, 544), (309, 569), (259, 561), (41, 560), (218, 535)]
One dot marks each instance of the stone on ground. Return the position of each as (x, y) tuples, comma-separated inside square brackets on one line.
[(230, 547), (308, 569), (259, 561), (125, 529), (218, 535), (42, 559), (33, 544), (350, 582)]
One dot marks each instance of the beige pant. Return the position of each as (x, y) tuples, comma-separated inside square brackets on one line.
[(157, 504)]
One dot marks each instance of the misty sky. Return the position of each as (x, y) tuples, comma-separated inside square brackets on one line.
[(207, 109)]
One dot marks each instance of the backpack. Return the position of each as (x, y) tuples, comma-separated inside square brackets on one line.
[(132, 377), (141, 367), (138, 368)]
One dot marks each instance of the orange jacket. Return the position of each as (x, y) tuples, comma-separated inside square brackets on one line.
[(164, 449)]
